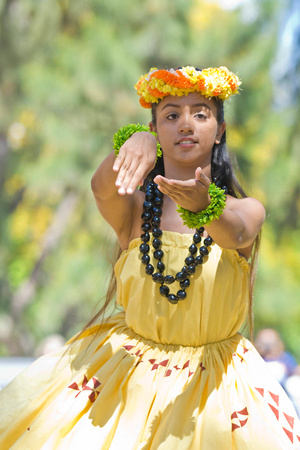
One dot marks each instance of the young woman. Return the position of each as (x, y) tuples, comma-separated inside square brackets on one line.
[(172, 370)]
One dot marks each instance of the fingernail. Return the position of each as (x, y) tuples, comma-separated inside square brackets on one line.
[(121, 191), (129, 191)]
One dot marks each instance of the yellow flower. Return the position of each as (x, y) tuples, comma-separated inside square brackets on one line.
[(211, 82)]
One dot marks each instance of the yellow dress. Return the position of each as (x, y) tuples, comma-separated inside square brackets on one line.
[(157, 375)]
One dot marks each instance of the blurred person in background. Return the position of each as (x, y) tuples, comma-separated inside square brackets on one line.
[(281, 363), (270, 346)]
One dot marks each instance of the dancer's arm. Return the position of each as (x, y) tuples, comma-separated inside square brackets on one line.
[(240, 222), (116, 179)]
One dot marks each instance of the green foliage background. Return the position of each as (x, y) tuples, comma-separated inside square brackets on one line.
[(67, 71)]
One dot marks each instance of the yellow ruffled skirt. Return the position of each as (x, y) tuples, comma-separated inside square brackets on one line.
[(114, 390)]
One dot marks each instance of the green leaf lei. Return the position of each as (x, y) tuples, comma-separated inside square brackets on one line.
[(128, 130), (212, 212)]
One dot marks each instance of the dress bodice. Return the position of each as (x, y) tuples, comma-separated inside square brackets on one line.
[(216, 304)]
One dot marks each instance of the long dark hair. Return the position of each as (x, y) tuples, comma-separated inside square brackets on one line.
[(223, 166)]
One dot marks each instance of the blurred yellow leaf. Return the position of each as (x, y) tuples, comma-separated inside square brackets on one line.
[(14, 184), (20, 223), (28, 118), (40, 221), (203, 14)]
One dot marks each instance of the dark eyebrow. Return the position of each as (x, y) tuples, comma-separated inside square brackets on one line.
[(196, 105), (170, 104)]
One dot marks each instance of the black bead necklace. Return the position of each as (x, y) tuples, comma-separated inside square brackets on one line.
[(152, 211)]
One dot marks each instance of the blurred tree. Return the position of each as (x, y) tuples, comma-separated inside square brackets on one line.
[(278, 286), (71, 88)]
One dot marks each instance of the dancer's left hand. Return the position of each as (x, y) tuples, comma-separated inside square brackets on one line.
[(190, 194)]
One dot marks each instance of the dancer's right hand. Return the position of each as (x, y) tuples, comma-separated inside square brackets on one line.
[(135, 160)]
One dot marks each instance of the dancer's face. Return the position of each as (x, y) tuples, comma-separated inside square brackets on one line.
[(187, 129)]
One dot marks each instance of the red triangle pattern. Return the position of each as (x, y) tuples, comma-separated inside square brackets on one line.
[(261, 391), (128, 347), (164, 363), (74, 386), (186, 365), (275, 398), (244, 411), (234, 426), (290, 420), (235, 415), (96, 383), (202, 367), (92, 397), (243, 422), (289, 434), (84, 387), (275, 411), (85, 381)]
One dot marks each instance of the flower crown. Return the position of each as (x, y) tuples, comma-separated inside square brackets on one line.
[(212, 82)]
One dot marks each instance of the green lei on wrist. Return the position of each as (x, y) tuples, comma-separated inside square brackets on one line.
[(124, 133), (212, 212)]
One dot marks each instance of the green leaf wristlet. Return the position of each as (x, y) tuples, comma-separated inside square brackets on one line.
[(212, 212), (128, 130)]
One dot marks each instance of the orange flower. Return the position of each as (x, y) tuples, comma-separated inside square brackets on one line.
[(144, 104), (181, 81), (156, 93), (233, 83), (201, 83), (217, 91), (160, 74), (173, 79), (138, 84)]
